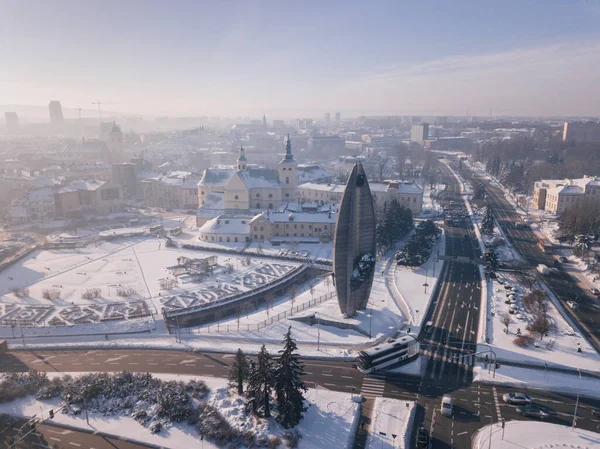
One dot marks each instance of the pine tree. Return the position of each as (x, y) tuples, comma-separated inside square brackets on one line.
[(289, 387), (260, 383), (239, 371), (487, 222)]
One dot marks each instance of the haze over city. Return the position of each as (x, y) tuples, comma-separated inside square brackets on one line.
[(287, 58)]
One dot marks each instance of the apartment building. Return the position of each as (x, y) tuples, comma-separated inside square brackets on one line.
[(556, 195), (174, 190)]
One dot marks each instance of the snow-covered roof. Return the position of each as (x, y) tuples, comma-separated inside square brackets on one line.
[(259, 178), (298, 217), (226, 225), (311, 173), (322, 187), (183, 179), (216, 177), (82, 185), (402, 187)]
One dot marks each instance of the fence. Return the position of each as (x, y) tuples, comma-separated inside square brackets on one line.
[(237, 327)]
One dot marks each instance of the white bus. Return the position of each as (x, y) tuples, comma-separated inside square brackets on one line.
[(393, 352)]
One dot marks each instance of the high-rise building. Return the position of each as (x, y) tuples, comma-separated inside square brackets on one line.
[(12, 121), (56, 114), (419, 132), (327, 119), (354, 244), (338, 118), (581, 132)]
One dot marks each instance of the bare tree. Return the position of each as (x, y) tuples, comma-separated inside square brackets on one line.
[(540, 326), (506, 320)]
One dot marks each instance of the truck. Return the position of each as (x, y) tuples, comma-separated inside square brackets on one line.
[(543, 269)]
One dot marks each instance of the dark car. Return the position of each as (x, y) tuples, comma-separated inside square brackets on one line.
[(422, 440), (563, 259), (534, 411), (596, 412)]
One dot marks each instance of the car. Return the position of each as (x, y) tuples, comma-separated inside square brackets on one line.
[(422, 440), (595, 291), (573, 305), (563, 259), (534, 411), (516, 398), (596, 412), (446, 407)]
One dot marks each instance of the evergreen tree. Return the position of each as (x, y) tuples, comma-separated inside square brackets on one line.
[(239, 371), (487, 222), (289, 387), (260, 383), (491, 261)]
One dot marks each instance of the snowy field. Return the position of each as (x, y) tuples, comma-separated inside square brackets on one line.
[(327, 424), (558, 348), (392, 421), (535, 435)]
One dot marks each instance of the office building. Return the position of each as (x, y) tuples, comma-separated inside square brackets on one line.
[(56, 114), (327, 119), (419, 133), (581, 132), (338, 118)]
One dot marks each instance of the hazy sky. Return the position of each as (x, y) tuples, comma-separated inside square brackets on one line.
[(292, 57)]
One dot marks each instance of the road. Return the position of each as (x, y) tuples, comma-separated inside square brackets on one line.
[(336, 376), (563, 285)]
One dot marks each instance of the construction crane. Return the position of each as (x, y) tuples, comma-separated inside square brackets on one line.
[(98, 103)]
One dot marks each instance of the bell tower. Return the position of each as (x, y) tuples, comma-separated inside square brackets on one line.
[(242, 162), (288, 174)]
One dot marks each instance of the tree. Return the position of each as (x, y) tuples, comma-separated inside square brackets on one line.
[(260, 383), (487, 222), (537, 302), (541, 326), (289, 387), (239, 371), (506, 320), (491, 261)]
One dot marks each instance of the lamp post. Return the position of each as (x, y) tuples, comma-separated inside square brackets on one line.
[(318, 332), (491, 422), (577, 402)]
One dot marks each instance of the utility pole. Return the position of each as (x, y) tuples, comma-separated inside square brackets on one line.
[(577, 402)]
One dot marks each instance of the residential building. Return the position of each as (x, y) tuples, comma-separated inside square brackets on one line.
[(173, 190), (12, 121), (56, 114), (581, 132), (289, 226), (419, 132), (34, 206), (556, 195), (93, 197), (407, 194), (125, 175)]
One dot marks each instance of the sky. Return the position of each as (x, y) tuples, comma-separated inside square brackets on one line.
[(297, 58)]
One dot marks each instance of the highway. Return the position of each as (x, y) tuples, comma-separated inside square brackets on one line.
[(562, 284)]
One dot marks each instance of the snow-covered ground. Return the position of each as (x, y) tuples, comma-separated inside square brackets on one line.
[(391, 424), (538, 379), (535, 435), (558, 348), (328, 423), (409, 283), (431, 207)]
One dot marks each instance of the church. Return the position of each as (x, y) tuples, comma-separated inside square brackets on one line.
[(247, 188)]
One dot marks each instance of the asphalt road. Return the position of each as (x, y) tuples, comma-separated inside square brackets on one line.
[(565, 287)]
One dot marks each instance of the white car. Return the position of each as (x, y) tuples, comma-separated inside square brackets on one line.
[(446, 407), (516, 398)]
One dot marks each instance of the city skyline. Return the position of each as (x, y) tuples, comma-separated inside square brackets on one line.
[(248, 58)]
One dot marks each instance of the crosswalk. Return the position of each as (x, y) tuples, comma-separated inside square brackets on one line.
[(442, 356), (373, 387)]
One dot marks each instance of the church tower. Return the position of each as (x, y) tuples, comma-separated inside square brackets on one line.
[(115, 142), (242, 162), (264, 120), (288, 174)]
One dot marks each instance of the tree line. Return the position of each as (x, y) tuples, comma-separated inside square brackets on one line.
[(393, 224)]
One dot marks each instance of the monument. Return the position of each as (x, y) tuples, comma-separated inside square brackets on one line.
[(354, 244)]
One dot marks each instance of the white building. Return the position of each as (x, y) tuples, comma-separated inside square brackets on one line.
[(556, 195), (224, 229)]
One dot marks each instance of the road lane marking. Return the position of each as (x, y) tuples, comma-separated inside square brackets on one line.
[(54, 439), (74, 444), (462, 433)]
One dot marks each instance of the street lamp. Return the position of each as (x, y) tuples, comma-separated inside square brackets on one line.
[(318, 332), (491, 422), (577, 402)]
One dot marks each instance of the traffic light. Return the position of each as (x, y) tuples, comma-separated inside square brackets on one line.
[(51, 412)]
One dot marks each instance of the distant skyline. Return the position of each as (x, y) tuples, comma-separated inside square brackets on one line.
[(288, 59)]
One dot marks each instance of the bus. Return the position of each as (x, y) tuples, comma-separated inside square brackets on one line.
[(389, 354), (545, 246)]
